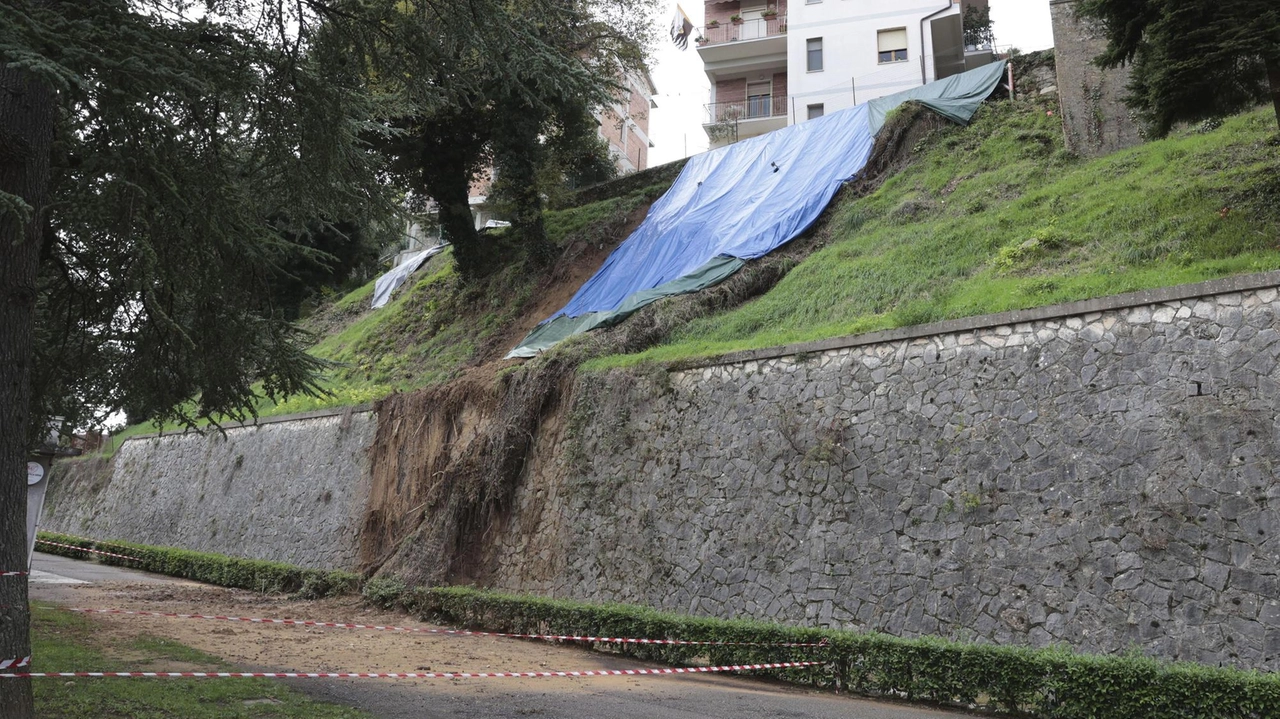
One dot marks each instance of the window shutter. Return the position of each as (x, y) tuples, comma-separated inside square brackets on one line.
[(891, 40)]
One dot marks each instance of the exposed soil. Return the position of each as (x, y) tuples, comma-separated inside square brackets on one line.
[(447, 459), (290, 648), (265, 647), (578, 263)]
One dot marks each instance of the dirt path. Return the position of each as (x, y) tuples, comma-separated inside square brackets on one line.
[(285, 648)]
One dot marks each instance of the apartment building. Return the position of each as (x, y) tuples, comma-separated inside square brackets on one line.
[(774, 63), (625, 123)]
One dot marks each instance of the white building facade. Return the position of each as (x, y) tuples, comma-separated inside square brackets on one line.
[(774, 63)]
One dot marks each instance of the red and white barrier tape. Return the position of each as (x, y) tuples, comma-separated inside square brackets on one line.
[(419, 675), (454, 632), (83, 549), (14, 574), (98, 542), (15, 663)]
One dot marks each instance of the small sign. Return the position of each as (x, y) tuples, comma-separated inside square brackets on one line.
[(35, 473)]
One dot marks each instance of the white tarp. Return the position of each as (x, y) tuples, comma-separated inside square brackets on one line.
[(388, 283)]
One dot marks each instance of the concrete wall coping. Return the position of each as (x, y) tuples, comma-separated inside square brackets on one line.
[(295, 417), (1226, 285)]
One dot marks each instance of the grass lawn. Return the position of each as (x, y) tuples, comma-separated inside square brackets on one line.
[(66, 642)]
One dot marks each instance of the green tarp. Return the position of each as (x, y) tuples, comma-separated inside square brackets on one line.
[(956, 98)]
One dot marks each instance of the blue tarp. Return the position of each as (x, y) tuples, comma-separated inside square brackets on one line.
[(742, 202)]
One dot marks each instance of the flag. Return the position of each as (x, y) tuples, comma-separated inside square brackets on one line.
[(681, 26)]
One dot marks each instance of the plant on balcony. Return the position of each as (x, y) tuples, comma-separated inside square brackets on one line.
[(978, 31), (725, 126), (735, 19), (769, 14), (700, 40), (714, 23)]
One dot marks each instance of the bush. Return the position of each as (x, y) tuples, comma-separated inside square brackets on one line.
[(254, 574), (383, 592), (1037, 682)]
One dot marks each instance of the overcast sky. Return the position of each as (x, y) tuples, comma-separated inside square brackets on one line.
[(675, 126)]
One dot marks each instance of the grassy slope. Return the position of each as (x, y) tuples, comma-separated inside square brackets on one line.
[(992, 217), (430, 331), (998, 216), (65, 642)]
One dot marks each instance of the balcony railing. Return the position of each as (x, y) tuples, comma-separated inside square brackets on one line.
[(745, 30), (753, 108)]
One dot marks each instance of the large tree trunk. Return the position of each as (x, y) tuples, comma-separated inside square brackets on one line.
[(519, 151), (458, 224), (1273, 74), (26, 138)]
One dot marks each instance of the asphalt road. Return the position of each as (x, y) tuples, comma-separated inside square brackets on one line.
[(699, 697), (53, 570), (682, 697)]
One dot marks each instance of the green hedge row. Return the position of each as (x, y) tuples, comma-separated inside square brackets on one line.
[(1053, 683), (210, 568)]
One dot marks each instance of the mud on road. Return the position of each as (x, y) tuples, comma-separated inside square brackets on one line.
[(266, 647)]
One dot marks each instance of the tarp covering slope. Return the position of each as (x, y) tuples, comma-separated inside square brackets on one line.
[(956, 98), (388, 282), (742, 202)]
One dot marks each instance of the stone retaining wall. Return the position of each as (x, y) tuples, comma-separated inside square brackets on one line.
[(1098, 475), (1101, 480), (292, 491)]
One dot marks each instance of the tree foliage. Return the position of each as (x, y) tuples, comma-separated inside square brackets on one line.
[(210, 156), (521, 120), (164, 163), (192, 158), (978, 27), (1191, 59)]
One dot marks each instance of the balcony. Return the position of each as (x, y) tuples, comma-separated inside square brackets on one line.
[(728, 122), (746, 30), (753, 108)]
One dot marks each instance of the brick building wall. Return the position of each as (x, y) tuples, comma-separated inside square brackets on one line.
[(628, 135), (722, 11), (731, 90)]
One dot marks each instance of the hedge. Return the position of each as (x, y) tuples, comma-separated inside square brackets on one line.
[(1052, 683), (254, 574)]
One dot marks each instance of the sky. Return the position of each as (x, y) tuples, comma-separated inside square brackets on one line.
[(675, 126)]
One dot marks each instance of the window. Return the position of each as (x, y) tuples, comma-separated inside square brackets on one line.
[(813, 46), (815, 111), (893, 45), (759, 102)]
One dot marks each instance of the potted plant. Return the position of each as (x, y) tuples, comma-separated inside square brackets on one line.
[(735, 19), (700, 40), (714, 23), (769, 14)]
